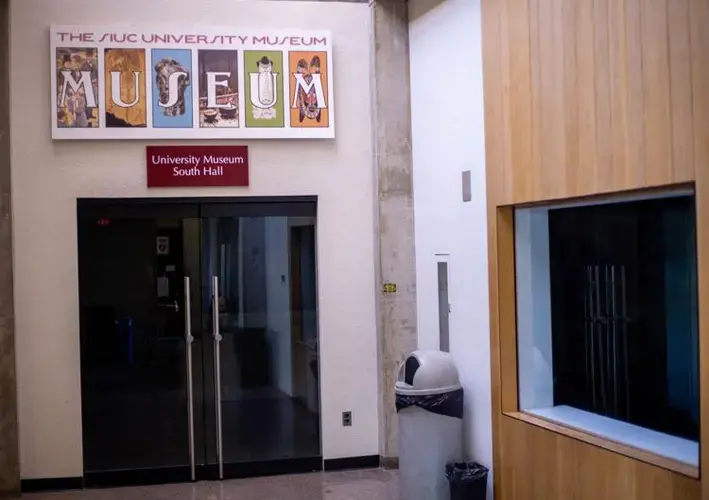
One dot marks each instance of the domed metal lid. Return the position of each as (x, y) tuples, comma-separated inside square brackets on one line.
[(427, 372)]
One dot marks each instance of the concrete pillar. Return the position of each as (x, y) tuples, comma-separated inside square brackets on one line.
[(9, 448), (395, 211)]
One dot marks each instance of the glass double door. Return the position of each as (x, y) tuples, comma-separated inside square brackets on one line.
[(199, 338)]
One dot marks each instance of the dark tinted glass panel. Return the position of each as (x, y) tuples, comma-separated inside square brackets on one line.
[(624, 312), (265, 273), (134, 397), (199, 339)]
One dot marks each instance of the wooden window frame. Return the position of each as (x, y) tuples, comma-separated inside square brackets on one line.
[(506, 344)]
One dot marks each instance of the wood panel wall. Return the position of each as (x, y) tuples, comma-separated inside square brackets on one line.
[(588, 96), (583, 98), (542, 465)]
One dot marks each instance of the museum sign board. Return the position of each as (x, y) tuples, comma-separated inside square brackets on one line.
[(190, 83)]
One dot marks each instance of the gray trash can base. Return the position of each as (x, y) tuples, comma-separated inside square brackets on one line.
[(423, 454), (430, 411)]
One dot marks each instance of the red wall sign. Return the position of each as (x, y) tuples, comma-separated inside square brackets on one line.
[(197, 166)]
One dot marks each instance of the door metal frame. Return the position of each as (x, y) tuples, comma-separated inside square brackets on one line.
[(95, 209)]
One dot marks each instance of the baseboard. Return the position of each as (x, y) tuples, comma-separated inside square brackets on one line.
[(365, 462), (139, 477), (51, 484), (113, 479)]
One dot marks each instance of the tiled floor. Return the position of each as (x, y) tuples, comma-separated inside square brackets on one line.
[(349, 485)]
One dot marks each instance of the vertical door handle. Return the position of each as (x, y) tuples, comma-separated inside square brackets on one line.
[(217, 337), (189, 339)]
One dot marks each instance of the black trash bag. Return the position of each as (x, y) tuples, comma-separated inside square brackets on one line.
[(449, 404), (468, 480)]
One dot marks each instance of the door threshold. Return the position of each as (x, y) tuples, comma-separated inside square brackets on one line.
[(137, 477), (242, 470)]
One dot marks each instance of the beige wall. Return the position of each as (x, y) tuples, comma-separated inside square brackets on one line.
[(49, 176)]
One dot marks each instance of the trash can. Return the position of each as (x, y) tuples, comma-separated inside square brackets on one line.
[(468, 480), (429, 404)]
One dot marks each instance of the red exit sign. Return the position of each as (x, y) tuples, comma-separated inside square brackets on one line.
[(197, 166)]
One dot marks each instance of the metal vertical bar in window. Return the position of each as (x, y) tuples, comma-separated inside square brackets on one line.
[(443, 307), (624, 334), (600, 329), (592, 333), (599, 337), (587, 332), (608, 337), (614, 331)]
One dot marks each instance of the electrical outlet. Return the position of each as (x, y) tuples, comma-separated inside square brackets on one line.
[(346, 419)]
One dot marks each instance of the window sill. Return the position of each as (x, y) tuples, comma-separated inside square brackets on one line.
[(669, 452)]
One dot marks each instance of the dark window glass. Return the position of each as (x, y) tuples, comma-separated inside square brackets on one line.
[(624, 312)]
